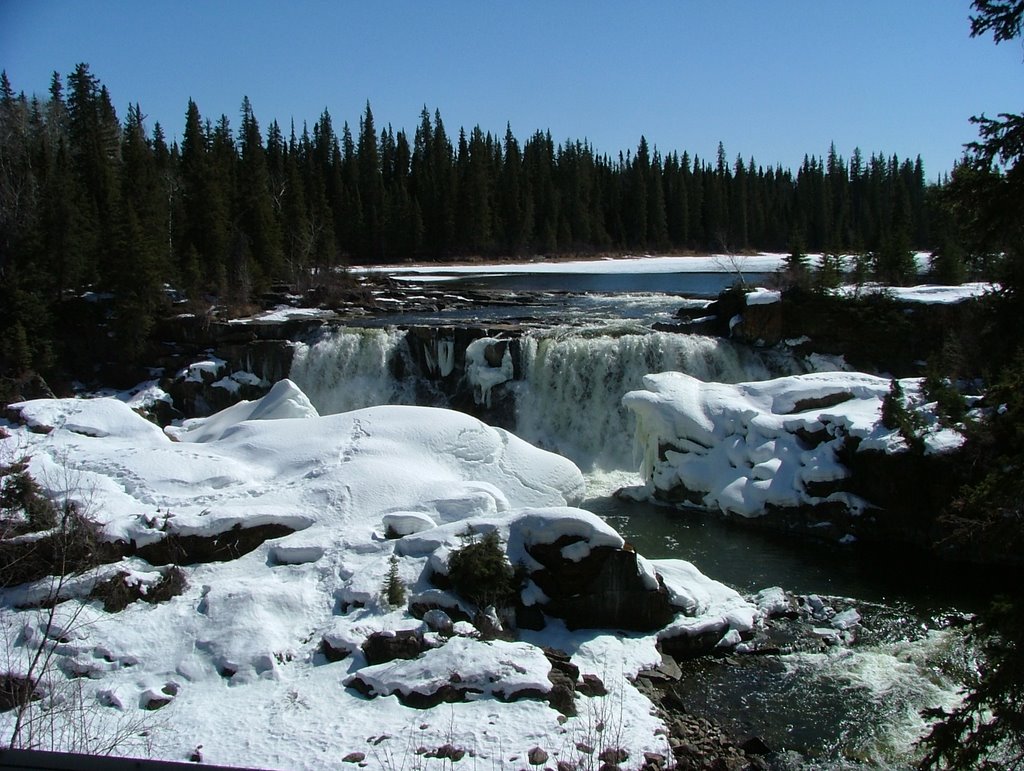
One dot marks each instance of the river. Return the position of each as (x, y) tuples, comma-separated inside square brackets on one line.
[(587, 340)]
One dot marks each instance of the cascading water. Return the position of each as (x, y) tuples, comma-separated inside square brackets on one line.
[(567, 394), (567, 384), (569, 399), (350, 368)]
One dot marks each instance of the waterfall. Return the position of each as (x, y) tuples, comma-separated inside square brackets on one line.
[(569, 399), (567, 384), (349, 368)]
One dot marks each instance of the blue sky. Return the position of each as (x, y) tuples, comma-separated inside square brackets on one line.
[(772, 80)]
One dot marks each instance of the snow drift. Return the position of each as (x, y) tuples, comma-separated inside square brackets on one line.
[(236, 662), (746, 447)]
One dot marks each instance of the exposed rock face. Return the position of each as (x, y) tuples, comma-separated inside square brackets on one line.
[(873, 332), (380, 647), (27, 559), (196, 549), (605, 590)]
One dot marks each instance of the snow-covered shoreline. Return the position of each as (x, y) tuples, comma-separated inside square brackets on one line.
[(237, 657)]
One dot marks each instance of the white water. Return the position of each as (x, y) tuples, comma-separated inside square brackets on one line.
[(852, 708), (569, 397), (351, 369)]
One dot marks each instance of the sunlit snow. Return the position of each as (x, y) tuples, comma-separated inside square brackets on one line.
[(238, 654)]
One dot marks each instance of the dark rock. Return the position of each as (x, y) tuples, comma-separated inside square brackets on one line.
[(117, 593), (592, 686), (420, 609), (152, 702), (354, 757), (654, 760), (760, 324), (448, 752), (381, 647), (755, 745), (537, 757), (688, 646), (613, 756), (530, 617), (361, 687), (199, 549), (439, 621), (332, 653), (16, 690), (603, 590)]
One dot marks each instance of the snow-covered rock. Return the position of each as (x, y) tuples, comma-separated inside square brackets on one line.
[(250, 659), (744, 448)]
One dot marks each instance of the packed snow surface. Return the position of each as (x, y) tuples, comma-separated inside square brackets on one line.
[(237, 656), (743, 447)]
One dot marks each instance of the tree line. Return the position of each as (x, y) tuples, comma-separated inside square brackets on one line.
[(89, 201)]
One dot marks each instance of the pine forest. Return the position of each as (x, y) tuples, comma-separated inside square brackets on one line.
[(91, 202)]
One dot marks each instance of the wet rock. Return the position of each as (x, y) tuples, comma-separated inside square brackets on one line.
[(668, 670), (537, 757)]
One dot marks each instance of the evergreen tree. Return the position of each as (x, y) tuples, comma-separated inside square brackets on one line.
[(258, 236), (371, 190), (515, 208), (986, 730)]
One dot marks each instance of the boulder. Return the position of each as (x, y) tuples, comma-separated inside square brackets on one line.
[(605, 590), (381, 647)]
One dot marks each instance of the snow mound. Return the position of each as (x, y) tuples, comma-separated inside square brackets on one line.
[(743, 447), (482, 668), (88, 417), (245, 661), (284, 400), (708, 604)]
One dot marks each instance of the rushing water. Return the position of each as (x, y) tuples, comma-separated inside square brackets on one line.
[(849, 707)]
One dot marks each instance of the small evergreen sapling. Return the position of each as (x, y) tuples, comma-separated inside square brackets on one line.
[(896, 415), (394, 589)]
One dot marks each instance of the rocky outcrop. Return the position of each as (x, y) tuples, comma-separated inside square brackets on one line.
[(604, 590), (873, 332), (381, 647)]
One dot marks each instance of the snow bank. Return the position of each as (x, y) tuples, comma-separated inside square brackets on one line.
[(94, 417), (741, 448), (709, 604), (236, 659), (284, 400), (932, 294)]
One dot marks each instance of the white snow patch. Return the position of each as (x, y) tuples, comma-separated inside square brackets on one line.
[(744, 446)]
